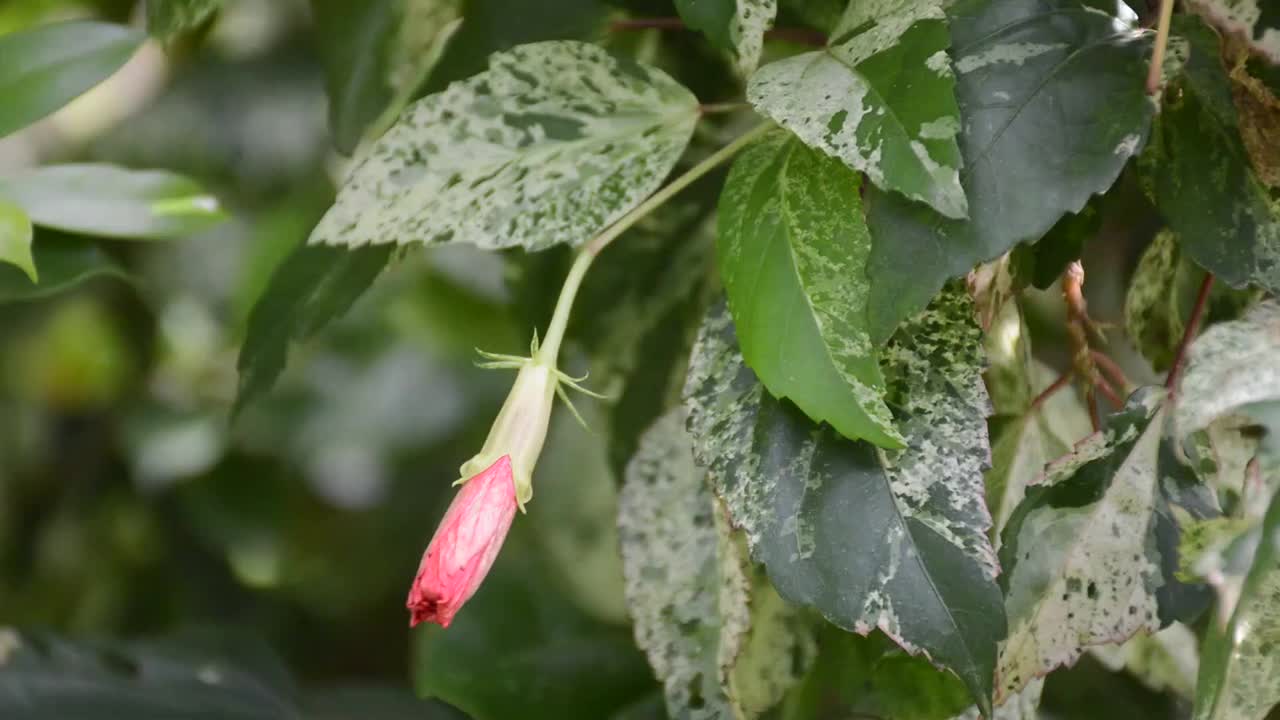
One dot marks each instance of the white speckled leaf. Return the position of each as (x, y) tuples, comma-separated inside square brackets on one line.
[(872, 539), (882, 101), (1156, 304), (1234, 369), (1240, 669), (1258, 21), (737, 26), (714, 631), (1090, 554), (554, 142), (792, 251)]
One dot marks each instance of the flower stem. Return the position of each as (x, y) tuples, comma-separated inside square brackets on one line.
[(1162, 42), (550, 348), (1193, 326)]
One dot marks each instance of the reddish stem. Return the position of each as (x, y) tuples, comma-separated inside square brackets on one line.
[(1102, 384), (1193, 326), (1111, 369), (1048, 392), (1091, 399)]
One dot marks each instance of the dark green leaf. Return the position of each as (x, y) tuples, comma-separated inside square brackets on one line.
[(1203, 182), (167, 18), (737, 26), (924, 571), (45, 677), (374, 703), (113, 201), (1042, 264), (64, 264), (44, 68), (1052, 106), (313, 286), (1090, 555), (792, 250)]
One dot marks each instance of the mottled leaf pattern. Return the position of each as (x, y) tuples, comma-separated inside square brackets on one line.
[(1051, 97), (722, 643), (1258, 21), (1232, 369), (882, 101), (734, 25), (895, 541), (1090, 554), (1201, 175), (1240, 668), (792, 251), (550, 145)]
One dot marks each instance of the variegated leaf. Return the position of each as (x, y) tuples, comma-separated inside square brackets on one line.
[(1202, 180), (792, 250), (882, 101), (552, 144), (734, 25), (1258, 21), (1051, 97), (1232, 370), (871, 539), (1091, 553), (1161, 293), (1240, 669), (712, 627)]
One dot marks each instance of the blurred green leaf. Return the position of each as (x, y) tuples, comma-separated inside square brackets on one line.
[(15, 239), (375, 55), (44, 68), (167, 18), (64, 263), (518, 650), (313, 286), (374, 703), (111, 201)]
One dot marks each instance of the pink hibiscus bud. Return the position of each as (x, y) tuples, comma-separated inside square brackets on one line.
[(464, 546)]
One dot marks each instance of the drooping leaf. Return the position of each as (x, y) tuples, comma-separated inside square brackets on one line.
[(719, 638), (15, 239), (1257, 21), (168, 18), (923, 570), (550, 145), (46, 67), (1091, 553), (1051, 97), (520, 650), (881, 101), (1201, 175), (313, 286), (737, 26), (1239, 668), (375, 53), (1232, 370), (112, 201), (64, 263), (792, 251)]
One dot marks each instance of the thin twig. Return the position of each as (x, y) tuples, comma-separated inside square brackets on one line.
[(1091, 399), (1162, 42), (1111, 370), (1193, 326), (1054, 387), (1101, 383)]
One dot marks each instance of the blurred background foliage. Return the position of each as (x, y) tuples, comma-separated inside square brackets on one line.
[(133, 511)]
